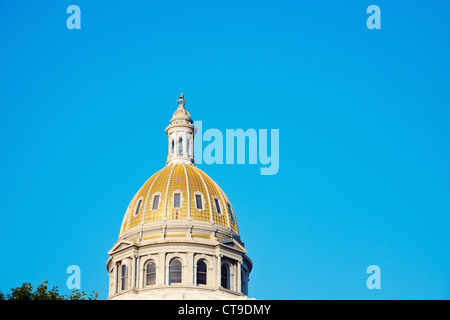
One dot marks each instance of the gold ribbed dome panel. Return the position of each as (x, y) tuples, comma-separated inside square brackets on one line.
[(132, 220), (159, 187), (178, 184), (219, 213), (196, 184), (181, 182)]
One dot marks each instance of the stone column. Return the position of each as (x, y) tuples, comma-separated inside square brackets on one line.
[(239, 276), (161, 270), (190, 268), (117, 280), (141, 274), (185, 145), (169, 153), (219, 266), (133, 272)]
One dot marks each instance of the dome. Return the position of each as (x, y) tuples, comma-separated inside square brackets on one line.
[(180, 192), (179, 238), (181, 114)]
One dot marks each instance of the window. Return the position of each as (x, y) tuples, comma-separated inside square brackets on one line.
[(151, 273), (201, 272), (217, 205), (138, 207), (124, 278), (175, 271), (231, 212), (180, 145), (188, 144), (155, 204), (224, 277), (173, 147), (198, 201), (177, 200)]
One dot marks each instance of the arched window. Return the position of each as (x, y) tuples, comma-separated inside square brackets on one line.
[(151, 273), (175, 271), (155, 204), (230, 211), (173, 147), (216, 201), (180, 145), (199, 201), (177, 200), (201, 272), (188, 144), (138, 207), (225, 277), (124, 278)]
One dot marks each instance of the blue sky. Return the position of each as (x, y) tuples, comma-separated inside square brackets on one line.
[(363, 118)]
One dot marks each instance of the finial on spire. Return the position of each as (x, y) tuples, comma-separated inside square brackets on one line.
[(181, 101)]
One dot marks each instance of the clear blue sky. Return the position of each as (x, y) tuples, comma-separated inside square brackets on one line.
[(364, 135)]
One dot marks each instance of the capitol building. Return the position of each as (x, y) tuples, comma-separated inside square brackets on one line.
[(179, 237)]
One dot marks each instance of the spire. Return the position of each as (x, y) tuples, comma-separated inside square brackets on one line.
[(181, 133)]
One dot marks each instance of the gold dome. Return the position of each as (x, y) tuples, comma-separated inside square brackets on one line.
[(180, 192)]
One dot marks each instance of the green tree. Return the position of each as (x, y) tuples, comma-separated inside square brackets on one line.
[(25, 292), (21, 293)]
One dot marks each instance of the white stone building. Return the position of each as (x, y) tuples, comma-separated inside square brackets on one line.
[(179, 237)]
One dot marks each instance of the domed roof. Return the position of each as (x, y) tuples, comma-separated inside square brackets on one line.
[(181, 113), (180, 192)]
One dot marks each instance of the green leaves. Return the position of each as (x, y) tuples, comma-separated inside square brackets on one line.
[(25, 292)]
